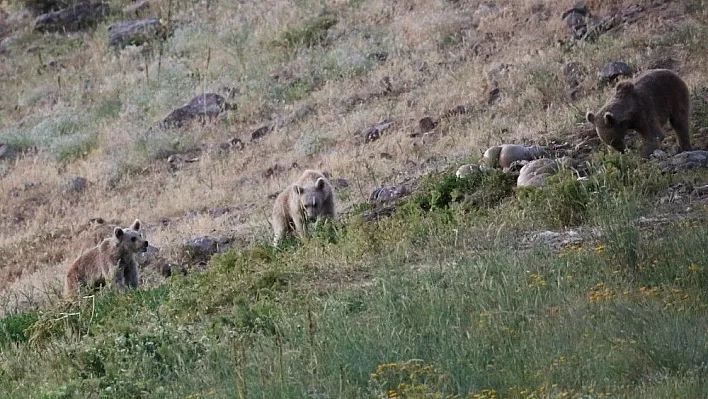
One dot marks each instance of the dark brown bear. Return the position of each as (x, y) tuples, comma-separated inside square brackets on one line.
[(645, 105)]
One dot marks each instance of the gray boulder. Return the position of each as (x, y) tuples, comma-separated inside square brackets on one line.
[(78, 17), (203, 106), (686, 160), (127, 33)]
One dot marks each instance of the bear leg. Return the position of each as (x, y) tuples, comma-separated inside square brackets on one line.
[(680, 124), (131, 275)]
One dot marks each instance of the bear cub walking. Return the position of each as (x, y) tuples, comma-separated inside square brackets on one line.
[(311, 197), (645, 105), (111, 261)]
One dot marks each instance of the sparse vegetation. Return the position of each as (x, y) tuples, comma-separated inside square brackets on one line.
[(308, 34), (456, 294)]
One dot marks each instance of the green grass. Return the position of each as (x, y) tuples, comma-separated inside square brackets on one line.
[(424, 304), (312, 32)]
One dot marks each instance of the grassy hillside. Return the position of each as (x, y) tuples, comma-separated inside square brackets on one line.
[(460, 294)]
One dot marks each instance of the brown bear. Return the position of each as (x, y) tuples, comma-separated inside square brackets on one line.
[(645, 105), (311, 197), (110, 262)]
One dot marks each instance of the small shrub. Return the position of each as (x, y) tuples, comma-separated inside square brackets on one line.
[(328, 231), (562, 202), (160, 144), (14, 328), (311, 144), (480, 190), (624, 173), (309, 34), (76, 147), (295, 90), (17, 140), (109, 109)]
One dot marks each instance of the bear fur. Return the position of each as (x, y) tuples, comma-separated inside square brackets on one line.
[(110, 262), (536, 172), (645, 105), (311, 197), (502, 156)]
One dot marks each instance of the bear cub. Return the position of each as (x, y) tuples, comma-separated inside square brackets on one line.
[(645, 105), (111, 261), (311, 197)]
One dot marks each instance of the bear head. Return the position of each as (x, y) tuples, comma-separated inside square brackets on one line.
[(131, 239), (313, 198), (616, 117)]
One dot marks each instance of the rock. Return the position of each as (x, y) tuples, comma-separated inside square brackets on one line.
[(260, 132), (573, 72), (644, 222), (498, 72), (169, 270), (576, 18), (458, 110), (177, 161), (426, 124), (208, 105), (387, 85), (374, 133), (77, 184), (701, 191), (218, 212), (339, 184), (234, 143), (272, 171), (493, 96), (615, 69), (467, 170), (77, 17), (144, 258), (383, 194), (202, 248), (554, 239), (386, 155), (503, 156), (136, 7), (378, 56), (666, 62), (6, 152), (126, 33), (659, 154), (686, 160), (6, 43)]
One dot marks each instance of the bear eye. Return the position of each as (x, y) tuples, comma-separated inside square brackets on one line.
[(133, 239)]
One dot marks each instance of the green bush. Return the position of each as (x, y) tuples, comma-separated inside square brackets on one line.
[(309, 34), (14, 328), (479, 190), (564, 201)]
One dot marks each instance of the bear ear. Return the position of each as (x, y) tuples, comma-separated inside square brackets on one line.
[(590, 117), (624, 87), (118, 232), (136, 225), (320, 184), (297, 189), (609, 119)]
